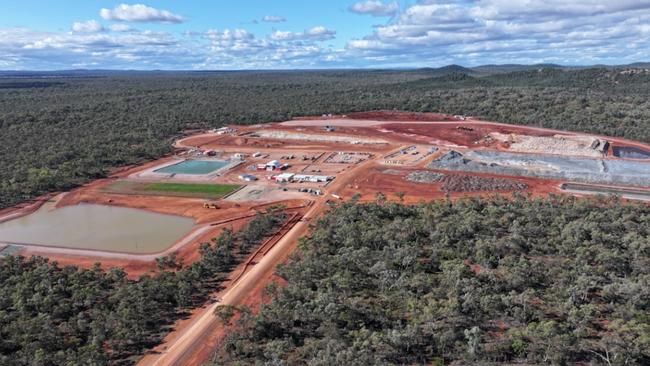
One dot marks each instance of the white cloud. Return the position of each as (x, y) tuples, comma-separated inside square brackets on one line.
[(319, 33), (375, 8), (240, 48), (273, 19), (504, 31), (89, 26), (28, 49), (139, 13), (424, 33), (120, 27)]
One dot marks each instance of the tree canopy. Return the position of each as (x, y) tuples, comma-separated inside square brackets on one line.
[(479, 281)]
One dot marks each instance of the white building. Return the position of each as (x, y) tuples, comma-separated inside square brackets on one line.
[(284, 177), (273, 165), (247, 177)]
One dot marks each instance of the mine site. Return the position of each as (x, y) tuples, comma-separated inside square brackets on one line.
[(220, 179)]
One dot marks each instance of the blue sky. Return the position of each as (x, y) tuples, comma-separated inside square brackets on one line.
[(264, 34)]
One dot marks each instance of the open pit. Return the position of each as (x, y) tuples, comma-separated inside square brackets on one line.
[(547, 166)]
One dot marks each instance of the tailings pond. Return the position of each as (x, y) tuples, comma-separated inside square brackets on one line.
[(97, 227)]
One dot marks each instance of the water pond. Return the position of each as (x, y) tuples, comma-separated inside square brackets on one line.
[(97, 227), (196, 167), (630, 152)]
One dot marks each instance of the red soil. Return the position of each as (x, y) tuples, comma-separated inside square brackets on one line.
[(375, 181), (463, 133)]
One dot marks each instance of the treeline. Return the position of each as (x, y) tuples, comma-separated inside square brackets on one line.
[(53, 315), (56, 135), (515, 281)]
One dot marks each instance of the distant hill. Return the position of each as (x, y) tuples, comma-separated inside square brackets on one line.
[(636, 65), (446, 70), (506, 68), (431, 72)]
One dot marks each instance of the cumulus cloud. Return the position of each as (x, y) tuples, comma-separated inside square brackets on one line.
[(119, 27), (139, 13), (238, 48), (426, 32), (88, 26), (319, 33), (273, 19), (503, 31), (28, 49), (375, 8)]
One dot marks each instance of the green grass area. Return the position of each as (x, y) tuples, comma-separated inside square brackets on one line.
[(203, 190), (209, 189)]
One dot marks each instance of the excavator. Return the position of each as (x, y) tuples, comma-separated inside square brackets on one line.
[(210, 205)]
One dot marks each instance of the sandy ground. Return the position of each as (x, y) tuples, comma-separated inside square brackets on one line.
[(195, 338)]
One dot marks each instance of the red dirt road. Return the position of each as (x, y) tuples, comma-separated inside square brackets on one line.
[(186, 347)]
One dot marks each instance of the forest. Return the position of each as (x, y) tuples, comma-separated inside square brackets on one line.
[(521, 280), (52, 315), (60, 131)]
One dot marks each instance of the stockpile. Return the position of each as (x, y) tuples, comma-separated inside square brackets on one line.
[(466, 183), (558, 144), (424, 177), (471, 183), (282, 135)]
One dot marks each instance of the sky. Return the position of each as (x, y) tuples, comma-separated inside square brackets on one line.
[(315, 34)]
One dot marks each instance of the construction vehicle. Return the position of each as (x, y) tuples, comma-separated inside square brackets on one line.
[(210, 205)]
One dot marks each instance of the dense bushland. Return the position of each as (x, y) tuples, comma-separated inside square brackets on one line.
[(533, 281), (55, 135)]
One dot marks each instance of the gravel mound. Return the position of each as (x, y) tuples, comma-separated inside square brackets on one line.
[(466, 183), (469, 183), (424, 177)]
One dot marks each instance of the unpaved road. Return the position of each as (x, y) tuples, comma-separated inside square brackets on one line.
[(181, 351), (187, 347)]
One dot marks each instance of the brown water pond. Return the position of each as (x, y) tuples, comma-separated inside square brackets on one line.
[(97, 227)]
